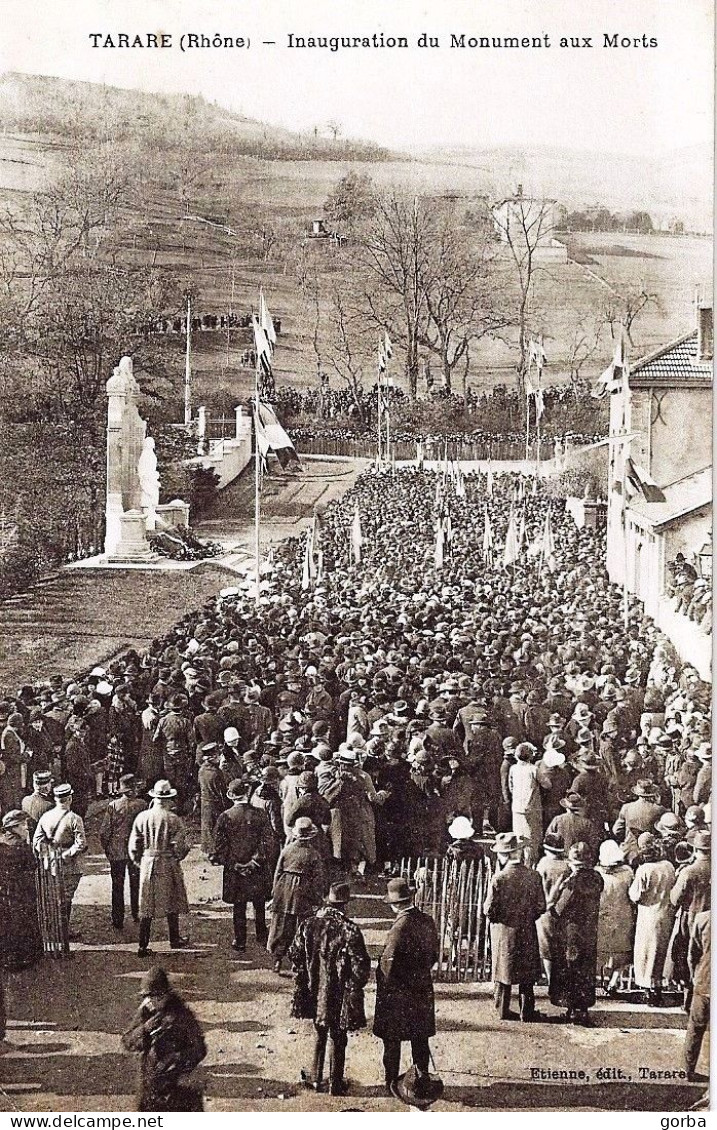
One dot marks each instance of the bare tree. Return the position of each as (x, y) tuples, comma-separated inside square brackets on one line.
[(583, 344), (625, 307), (524, 225), (335, 128), (465, 296), (345, 348), (392, 253)]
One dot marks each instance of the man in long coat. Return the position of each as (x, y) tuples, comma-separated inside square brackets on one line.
[(157, 845), (405, 1005), (243, 845), (300, 883), (115, 832), (212, 793), (575, 904), (331, 967), (513, 905)]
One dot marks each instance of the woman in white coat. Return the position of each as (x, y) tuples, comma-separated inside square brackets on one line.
[(616, 921), (650, 889)]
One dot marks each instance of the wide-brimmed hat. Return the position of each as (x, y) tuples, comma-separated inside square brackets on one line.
[(237, 789), (419, 1091), (646, 788), (398, 891), (347, 756), (155, 982), (161, 791), (14, 817), (339, 894), (554, 843), (461, 829), (573, 801), (610, 854), (668, 824), (702, 841), (507, 842)]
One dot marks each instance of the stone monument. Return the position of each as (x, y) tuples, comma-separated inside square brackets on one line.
[(132, 478)]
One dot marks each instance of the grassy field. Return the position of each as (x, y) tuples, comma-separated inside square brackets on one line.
[(292, 193)]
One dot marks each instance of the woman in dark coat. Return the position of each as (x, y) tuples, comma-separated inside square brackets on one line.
[(300, 883), (575, 906), (20, 940), (168, 1036)]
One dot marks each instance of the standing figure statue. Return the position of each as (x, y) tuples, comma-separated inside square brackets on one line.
[(149, 482)]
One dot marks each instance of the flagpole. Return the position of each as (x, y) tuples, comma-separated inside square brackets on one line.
[(379, 406), (257, 472), (527, 426), (188, 367)]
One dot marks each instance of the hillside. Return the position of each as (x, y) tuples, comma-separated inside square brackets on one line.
[(271, 181), (85, 111)]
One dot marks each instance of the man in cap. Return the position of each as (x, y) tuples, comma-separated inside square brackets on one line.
[(157, 845), (167, 1034), (405, 1006), (38, 802), (114, 836), (243, 846), (331, 967), (513, 905), (63, 830)]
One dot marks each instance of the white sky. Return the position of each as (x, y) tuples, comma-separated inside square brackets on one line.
[(629, 100)]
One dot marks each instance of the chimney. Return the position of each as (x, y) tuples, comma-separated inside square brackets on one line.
[(519, 193), (705, 334)]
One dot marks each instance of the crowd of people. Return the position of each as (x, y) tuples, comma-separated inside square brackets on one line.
[(395, 708)]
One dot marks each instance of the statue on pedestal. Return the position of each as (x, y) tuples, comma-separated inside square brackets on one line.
[(149, 482)]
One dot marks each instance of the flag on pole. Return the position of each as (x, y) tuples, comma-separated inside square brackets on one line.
[(262, 345), (521, 532), (438, 552), (308, 572), (615, 376), (266, 321), (638, 481), (382, 359), (447, 527), (511, 549), (547, 548), (356, 536), (487, 538), (489, 482), (270, 436), (539, 403), (387, 346)]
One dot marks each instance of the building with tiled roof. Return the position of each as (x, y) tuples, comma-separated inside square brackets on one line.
[(667, 422)]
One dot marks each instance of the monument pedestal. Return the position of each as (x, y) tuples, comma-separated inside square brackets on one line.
[(132, 547), (174, 513)]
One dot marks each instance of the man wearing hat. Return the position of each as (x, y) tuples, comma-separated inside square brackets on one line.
[(212, 793), (405, 1005), (331, 967), (638, 816), (157, 845), (300, 883), (692, 890), (289, 786), (514, 903), (592, 785), (115, 830), (167, 1034), (38, 802), (64, 830), (574, 826), (575, 906), (175, 737), (243, 846), (20, 940)]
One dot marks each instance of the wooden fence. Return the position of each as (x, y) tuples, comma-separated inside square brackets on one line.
[(453, 894)]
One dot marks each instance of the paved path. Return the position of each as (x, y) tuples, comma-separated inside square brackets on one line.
[(66, 1018)]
